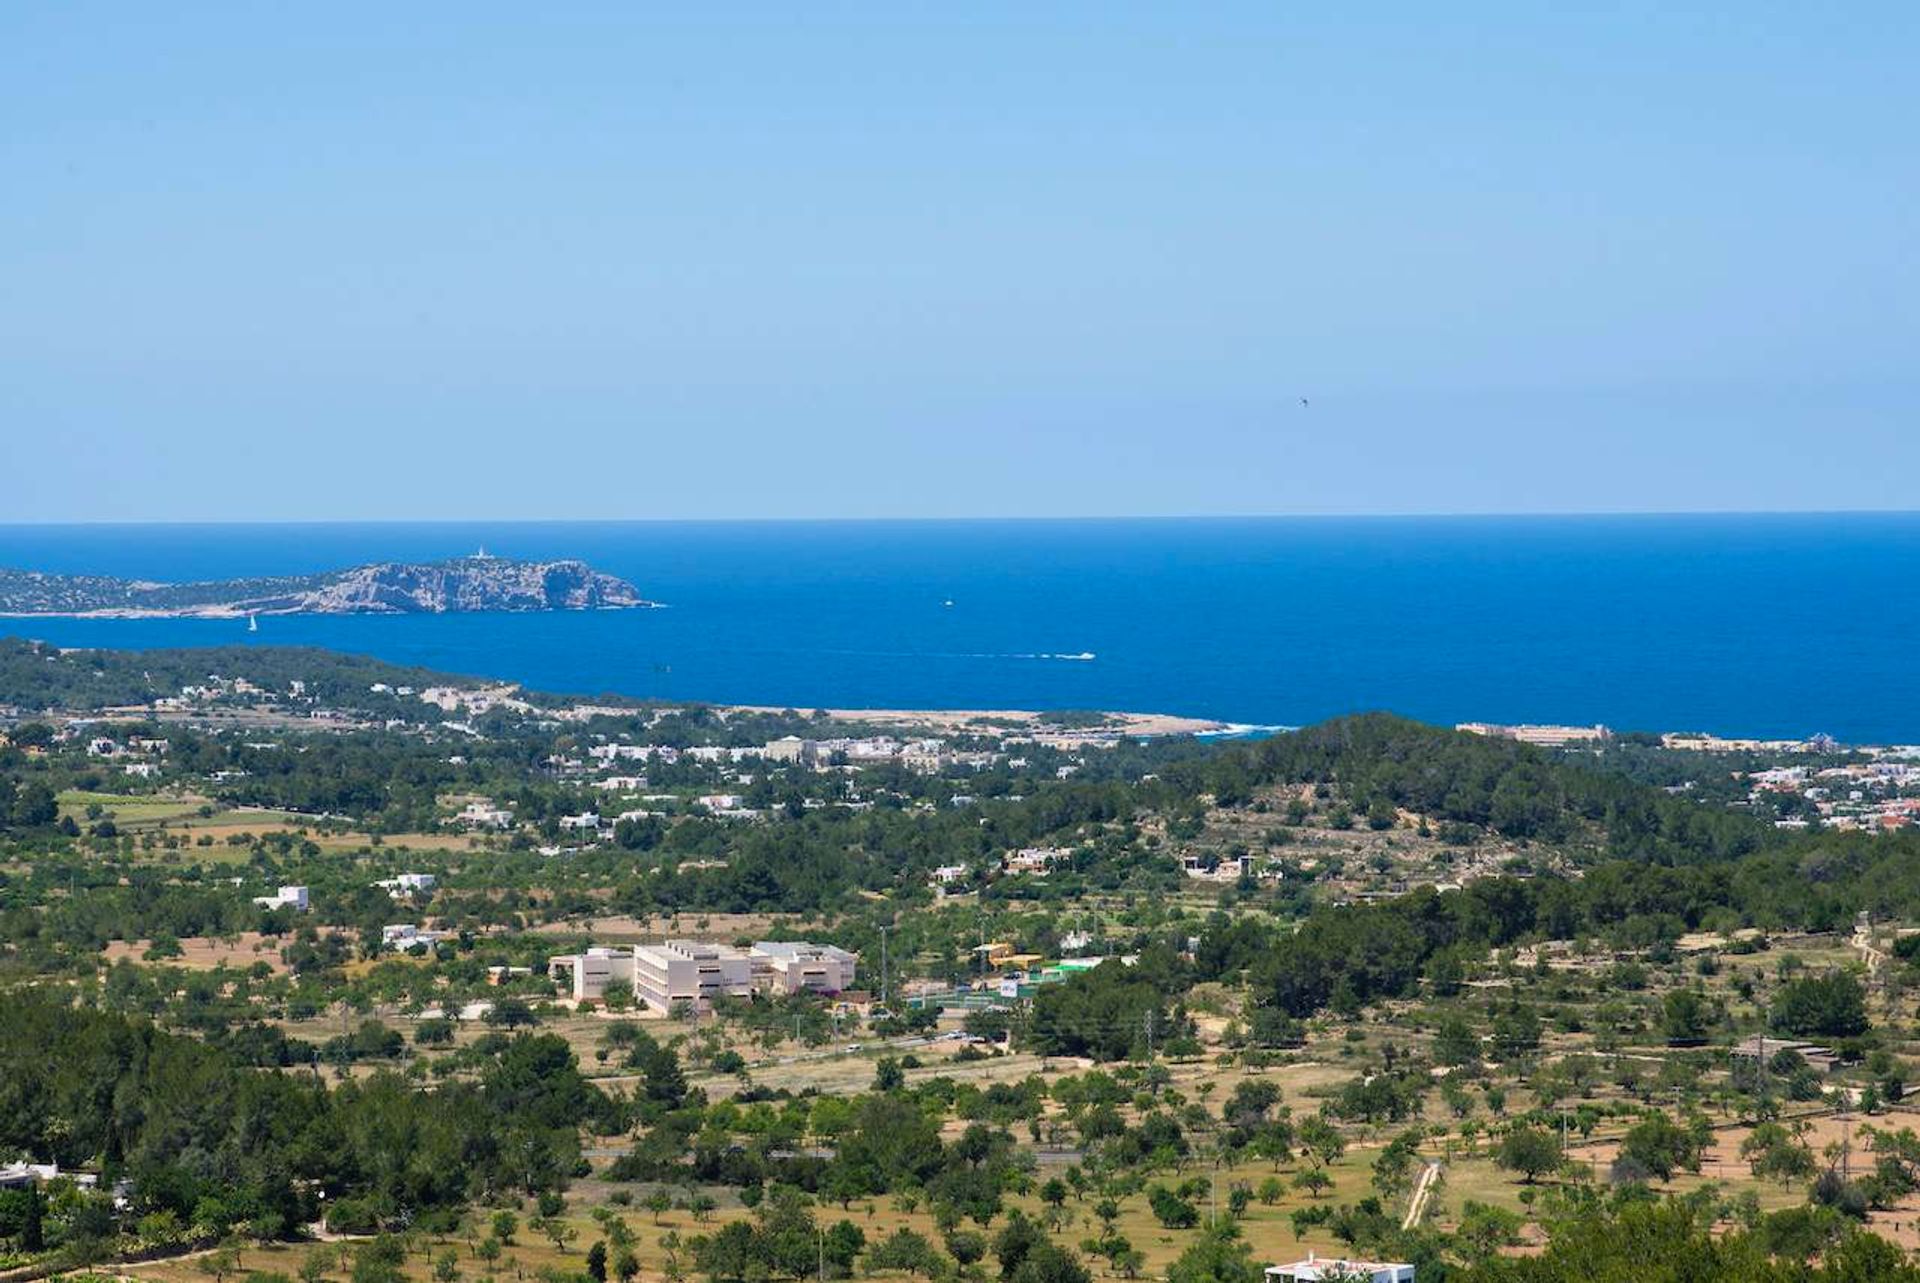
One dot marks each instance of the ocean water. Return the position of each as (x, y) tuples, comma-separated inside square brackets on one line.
[(1774, 625)]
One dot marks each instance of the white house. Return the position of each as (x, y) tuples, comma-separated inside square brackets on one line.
[(408, 884), (586, 822), (294, 898), (21, 1175), (1228, 870), (1315, 1269), (483, 814), (405, 935), (1035, 859)]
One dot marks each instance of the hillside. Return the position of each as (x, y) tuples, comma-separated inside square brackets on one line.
[(35, 677), (477, 583)]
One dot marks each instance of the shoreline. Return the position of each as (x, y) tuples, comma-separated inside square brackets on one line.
[(961, 720)]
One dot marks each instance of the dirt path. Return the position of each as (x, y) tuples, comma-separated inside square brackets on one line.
[(1422, 1192), (1863, 941)]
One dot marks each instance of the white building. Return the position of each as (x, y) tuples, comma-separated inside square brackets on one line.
[(698, 971), (1539, 736), (1228, 870), (927, 757), (791, 748), (1317, 1268), (485, 815), (407, 884), (294, 898), (405, 935), (633, 753), (21, 1175), (1036, 859), (797, 966), (689, 971), (586, 822), (591, 973)]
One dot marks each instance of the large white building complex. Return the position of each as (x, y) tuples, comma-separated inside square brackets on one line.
[(695, 972)]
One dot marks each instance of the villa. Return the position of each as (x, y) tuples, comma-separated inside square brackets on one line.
[(1316, 1269)]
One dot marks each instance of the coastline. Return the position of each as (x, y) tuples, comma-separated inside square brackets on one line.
[(957, 720), (241, 612)]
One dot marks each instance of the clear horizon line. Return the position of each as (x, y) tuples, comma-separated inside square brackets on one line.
[(1460, 515)]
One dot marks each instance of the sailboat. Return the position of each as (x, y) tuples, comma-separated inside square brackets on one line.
[(253, 622)]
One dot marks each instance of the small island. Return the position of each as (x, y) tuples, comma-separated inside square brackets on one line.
[(463, 584)]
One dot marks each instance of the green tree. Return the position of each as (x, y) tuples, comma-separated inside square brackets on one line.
[(221, 1263), (1530, 1151), (1660, 1146), (1216, 1256), (904, 1249), (1829, 1006)]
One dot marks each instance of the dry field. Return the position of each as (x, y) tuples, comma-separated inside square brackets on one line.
[(204, 953)]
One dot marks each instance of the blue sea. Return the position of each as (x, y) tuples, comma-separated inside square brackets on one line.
[(1749, 625)]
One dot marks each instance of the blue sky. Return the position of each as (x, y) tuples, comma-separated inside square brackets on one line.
[(492, 260)]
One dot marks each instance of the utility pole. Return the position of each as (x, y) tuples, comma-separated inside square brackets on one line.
[(884, 995)]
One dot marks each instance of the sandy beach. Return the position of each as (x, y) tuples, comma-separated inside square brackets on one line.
[(949, 721)]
